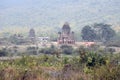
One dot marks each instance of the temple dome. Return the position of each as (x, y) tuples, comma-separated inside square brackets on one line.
[(32, 33), (66, 28)]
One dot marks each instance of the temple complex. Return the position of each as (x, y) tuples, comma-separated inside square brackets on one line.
[(32, 35), (66, 36)]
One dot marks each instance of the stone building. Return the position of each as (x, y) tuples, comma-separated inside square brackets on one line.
[(66, 36), (43, 40), (32, 35)]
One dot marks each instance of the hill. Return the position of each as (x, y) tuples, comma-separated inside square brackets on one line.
[(48, 16)]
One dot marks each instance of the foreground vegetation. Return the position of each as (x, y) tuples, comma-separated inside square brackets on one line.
[(86, 65)]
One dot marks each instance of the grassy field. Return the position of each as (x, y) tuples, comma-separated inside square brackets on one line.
[(67, 67), (67, 63)]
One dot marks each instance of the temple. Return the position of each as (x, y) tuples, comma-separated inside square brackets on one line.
[(32, 35), (66, 36)]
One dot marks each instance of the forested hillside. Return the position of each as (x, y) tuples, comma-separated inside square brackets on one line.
[(49, 15)]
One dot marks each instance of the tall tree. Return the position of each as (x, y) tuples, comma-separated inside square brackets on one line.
[(104, 31), (100, 32), (88, 33)]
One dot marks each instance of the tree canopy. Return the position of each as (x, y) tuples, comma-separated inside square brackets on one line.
[(98, 31), (88, 33)]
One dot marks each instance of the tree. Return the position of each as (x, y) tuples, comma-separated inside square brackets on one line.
[(16, 39), (104, 31), (88, 34), (100, 32)]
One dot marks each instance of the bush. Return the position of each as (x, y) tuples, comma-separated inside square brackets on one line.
[(46, 51), (49, 50), (113, 44), (3, 52), (52, 50), (109, 50), (32, 50), (108, 72), (67, 49)]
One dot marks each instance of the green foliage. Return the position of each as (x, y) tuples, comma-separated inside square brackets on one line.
[(104, 31), (101, 32), (3, 52), (32, 50), (91, 59), (50, 50), (113, 43), (88, 34), (16, 39), (109, 72), (67, 49), (50, 67), (65, 60)]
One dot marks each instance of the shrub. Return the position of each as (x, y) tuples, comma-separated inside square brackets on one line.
[(113, 44), (52, 50), (109, 72), (109, 50), (3, 52), (67, 49), (32, 50)]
